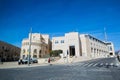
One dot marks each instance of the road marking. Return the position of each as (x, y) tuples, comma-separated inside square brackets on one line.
[(86, 64), (106, 63), (90, 65), (95, 64), (111, 64), (82, 65), (101, 64)]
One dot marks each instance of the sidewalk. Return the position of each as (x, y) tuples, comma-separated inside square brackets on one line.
[(7, 65), (41, 62), (61, 61)]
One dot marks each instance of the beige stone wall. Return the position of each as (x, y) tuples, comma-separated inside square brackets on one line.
[(83, 45), (93, 47), (111, 48), (57, 45), (70, 39), (40, 46)]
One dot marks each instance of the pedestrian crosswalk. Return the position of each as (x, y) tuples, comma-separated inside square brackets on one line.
[(93, 64)]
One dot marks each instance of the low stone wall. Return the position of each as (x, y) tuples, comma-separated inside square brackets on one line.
[(43, 60), (72, 59)]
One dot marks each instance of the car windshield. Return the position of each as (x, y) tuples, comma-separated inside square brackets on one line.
[(34, 58)]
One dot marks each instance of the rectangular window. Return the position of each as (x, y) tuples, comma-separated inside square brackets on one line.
[(91, 50), (23, 56), (110, 48), (91, 43), (56, 42), (62, 41)]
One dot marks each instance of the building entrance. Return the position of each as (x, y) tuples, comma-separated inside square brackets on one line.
[(72, 50), (111, 54)]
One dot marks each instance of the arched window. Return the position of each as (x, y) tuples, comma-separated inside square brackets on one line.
[(23, 50), (35, 51), (34, 56), (23, 56), (40, 54)]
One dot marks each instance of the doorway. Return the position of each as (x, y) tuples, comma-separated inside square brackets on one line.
[(111, 54), (72, 50)]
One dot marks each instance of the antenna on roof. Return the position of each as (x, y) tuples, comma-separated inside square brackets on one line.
[(105, 34)]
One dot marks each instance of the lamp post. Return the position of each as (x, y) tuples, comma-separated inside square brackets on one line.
[(29, 47)]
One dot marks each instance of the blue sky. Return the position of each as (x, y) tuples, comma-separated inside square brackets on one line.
[(57, 17)]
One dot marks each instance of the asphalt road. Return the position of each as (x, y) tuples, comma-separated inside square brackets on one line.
[(98, 69)]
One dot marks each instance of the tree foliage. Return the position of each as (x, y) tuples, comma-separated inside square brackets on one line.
[(55, 53)]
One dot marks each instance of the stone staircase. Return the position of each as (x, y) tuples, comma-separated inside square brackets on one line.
[(72, 59)]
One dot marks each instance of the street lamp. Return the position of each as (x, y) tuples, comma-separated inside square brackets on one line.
[(29, 47)]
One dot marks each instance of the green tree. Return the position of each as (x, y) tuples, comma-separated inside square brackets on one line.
[(55, 53)]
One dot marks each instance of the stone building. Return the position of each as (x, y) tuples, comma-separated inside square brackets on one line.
[(40, 46), (95, 48), (110, 48), (70, 44), (75, 44), (9, 52)]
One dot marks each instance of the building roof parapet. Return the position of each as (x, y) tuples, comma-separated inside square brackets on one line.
[(58, 37), (95, 38)]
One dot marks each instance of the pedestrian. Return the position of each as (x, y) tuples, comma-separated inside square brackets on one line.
[(49, 60), (118, 58)]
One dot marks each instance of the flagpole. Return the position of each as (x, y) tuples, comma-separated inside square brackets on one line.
[(29, 47)]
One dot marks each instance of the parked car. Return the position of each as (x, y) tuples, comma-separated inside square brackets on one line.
[(25, 61), (22, 61), (34, 60)]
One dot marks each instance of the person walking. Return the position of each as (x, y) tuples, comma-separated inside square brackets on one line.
[(49, 60)]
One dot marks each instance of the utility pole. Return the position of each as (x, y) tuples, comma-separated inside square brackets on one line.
[(29, 47)]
